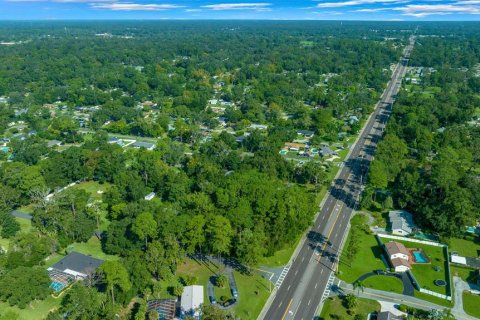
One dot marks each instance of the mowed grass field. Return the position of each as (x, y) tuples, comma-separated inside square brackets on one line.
[(367, 257), (471, 304), (333, 309), (36, 310), (385, 283), (466, 248)]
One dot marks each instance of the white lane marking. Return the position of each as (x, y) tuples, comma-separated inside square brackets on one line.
[(309, 302)]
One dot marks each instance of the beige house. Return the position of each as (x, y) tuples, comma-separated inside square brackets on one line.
[(398, 256)]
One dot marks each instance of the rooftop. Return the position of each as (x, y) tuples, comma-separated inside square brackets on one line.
[(401, 219), (78, 263), (192, 298), (393, 247)]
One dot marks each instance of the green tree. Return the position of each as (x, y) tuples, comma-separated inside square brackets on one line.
[(351, 301), (145, 226), (219, 234), (83, 303), (22, 285), (359, 286), (116, 277), (221, 280)]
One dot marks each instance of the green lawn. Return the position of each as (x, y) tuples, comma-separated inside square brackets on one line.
[(333, 309), (471, 303), (92, 248), (467, 274), (253, 290), (433, 299), (464, 247), (25, 226), (365, 260), (92, 187), (385, 283), (35, 311), (225, 291), (253, 293), (425, 273)]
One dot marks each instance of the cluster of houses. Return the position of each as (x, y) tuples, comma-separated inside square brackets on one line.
[(77, 267)]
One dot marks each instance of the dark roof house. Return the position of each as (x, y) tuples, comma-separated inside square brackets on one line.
[(387, 315), (77, 265), (327, 152)]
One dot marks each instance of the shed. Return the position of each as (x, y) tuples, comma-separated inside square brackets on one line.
[(458, 260), (150, 196)]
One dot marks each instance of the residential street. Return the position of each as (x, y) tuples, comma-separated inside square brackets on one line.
[(346, 288), (308, 281)]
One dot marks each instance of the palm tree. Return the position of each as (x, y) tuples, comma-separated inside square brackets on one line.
[(358, 285)]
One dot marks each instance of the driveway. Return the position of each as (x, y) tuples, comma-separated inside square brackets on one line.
[(408, 288)]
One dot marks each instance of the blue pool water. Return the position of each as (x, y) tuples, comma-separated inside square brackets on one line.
[(5, 149), (57, 286), (283, 152), (419, 257)]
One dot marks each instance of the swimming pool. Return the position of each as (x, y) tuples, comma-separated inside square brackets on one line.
[(419, 257), (283, 152), (57, 286), (5, 149)]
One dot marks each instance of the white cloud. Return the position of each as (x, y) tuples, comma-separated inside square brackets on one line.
[(259, 6), (372, 10), (468, 2), (356, 3), (423, 10), (127, 6), (332, 13), (193, 10)]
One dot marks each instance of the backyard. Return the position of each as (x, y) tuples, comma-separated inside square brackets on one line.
[(427, 273), (464, 247)]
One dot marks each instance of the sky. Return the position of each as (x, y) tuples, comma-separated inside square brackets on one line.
[(388, 10)]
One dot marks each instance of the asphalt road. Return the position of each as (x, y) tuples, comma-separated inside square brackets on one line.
[(308, 280)]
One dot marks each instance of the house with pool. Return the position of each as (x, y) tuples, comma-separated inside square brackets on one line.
[(402, 258), (398, 256), (74, 266)]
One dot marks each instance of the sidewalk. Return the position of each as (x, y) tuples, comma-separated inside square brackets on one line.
[(396, 298)]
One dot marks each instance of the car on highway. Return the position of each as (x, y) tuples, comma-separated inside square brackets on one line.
[(379, 272)]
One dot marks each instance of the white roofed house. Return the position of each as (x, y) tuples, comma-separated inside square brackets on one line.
[(401, 222), (191, 301), (147, 145)]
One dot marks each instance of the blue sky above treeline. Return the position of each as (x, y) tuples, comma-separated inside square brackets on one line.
[(388, 10)]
